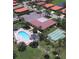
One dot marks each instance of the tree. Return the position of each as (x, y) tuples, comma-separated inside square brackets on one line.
[(64, 42), (47, 42), (26, 25), (55, 53), (21, 46), (47, 12), (59, 43), (42, 36), (46, 56), (57, 57), (62, 23), (34, 44), (14, 55)]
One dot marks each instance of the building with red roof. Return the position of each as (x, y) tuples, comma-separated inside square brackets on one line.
[(63, 10), (56, 8), (48, 5), (43, 24), (21, 9)]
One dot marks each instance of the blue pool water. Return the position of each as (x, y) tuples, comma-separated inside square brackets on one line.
[(24, 35)]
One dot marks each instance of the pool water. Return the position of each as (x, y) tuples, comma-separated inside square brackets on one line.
[(24, 35)]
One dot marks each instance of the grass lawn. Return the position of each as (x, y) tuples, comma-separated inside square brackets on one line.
[(35, 53), (29, 53), (57, 1), (63, 54)]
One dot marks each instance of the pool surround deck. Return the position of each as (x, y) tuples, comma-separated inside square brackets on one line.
[(20, 39)]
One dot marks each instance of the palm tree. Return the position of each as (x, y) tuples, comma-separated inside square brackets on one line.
[(21, 46), (34, 44)]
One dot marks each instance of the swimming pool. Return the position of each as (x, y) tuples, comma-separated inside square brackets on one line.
[(24, 35)]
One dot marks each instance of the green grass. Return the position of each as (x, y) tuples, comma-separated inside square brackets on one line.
[(57, 1), (63, 54), (35, 53), (29, 53)]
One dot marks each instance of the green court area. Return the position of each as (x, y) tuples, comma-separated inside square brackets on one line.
[(57, 1)]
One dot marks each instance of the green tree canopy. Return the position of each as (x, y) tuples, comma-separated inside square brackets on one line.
[(21, 46)]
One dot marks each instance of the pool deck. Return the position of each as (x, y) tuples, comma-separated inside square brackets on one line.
[(20, 39)]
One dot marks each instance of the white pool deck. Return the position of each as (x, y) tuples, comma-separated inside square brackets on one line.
[(20, 39)]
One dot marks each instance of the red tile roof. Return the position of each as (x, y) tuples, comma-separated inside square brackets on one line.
[(14, 2), (55, 8), (48, 5), (21, 9), (43, 25), (63, 10)]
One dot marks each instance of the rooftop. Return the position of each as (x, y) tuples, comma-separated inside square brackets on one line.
[(56, 8), (63, 10), (43, 24), (48, 5), (22, 9), (32, 16)]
